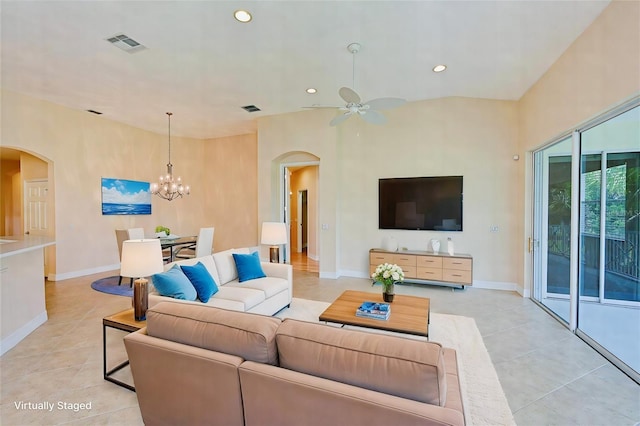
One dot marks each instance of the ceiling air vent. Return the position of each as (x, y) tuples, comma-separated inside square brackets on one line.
[(125, 43), (251, 108)]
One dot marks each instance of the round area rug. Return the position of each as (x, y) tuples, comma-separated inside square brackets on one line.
[(110, 285)]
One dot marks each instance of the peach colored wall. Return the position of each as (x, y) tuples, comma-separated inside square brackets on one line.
[(232, 191), (8, 168), (600, 69), (83, 148)]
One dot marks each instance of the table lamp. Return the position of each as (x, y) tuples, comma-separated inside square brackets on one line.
[(140, 259), (274, 234)]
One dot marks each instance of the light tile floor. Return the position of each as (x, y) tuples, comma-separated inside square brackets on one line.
[(549, 375)]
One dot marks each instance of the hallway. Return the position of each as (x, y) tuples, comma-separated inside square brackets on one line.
[(302, 262)]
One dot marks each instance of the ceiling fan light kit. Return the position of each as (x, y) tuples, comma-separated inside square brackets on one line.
[(369, 111)]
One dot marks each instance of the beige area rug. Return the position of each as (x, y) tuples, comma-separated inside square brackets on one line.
[(482, 395)]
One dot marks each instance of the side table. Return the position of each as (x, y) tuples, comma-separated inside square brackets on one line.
[(123, 321)]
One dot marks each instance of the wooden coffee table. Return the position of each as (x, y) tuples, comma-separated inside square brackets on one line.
[(409, 314)]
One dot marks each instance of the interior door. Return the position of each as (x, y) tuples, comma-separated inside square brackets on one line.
[(35, 207)]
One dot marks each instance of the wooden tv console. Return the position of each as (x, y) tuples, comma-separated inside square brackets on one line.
[(426, 265)]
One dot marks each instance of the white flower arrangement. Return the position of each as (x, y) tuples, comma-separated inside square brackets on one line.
[(388, 274)]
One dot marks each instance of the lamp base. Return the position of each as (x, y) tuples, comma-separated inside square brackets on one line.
[(274, 254), (140, 299)]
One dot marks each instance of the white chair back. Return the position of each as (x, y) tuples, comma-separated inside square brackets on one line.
[(136, 233), (204, 245)]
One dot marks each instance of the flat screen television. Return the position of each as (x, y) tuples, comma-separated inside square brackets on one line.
[(420, 203)]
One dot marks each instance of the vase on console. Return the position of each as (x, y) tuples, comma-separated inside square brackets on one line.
[(390, 244), (435, 245)]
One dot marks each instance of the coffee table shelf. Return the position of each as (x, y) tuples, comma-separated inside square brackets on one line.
[(409, 314)]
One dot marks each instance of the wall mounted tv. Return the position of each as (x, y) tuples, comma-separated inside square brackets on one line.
[(420, 203)]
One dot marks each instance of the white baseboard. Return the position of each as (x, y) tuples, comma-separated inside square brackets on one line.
[(75, 274), (14, 338), (329, 275), (353, 274), (495, 285), (314, 257), (524, 293)]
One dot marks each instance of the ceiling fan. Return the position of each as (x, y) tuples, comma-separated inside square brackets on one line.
[(369, 111)]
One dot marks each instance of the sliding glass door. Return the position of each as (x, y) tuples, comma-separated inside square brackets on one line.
[(586, 234), (609, 304), (552, 241)]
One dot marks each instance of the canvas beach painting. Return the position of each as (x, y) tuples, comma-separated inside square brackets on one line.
[(120, 196)]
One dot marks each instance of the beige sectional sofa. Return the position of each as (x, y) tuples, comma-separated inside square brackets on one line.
[(202, 365), (265, 296)]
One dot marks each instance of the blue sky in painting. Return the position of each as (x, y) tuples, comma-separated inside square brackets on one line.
[(120, 191)]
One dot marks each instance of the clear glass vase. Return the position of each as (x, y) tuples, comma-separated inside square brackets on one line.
[(388, 292)]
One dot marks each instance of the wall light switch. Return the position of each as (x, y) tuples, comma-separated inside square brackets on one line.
[(325, 226), (493, 228)]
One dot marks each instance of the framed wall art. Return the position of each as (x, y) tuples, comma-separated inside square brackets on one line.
[(121, 196)]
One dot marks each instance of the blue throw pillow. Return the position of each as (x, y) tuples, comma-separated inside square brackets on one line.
[(174, 283), (202, 280), (248, 266)]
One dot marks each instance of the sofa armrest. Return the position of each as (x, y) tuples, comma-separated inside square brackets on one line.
[(278, 270)]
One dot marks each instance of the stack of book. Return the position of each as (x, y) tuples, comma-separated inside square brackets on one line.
[(376, 310)]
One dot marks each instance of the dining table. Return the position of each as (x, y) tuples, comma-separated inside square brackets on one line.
[(174, 244)]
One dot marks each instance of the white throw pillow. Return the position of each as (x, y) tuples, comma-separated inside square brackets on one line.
[(225, 264)]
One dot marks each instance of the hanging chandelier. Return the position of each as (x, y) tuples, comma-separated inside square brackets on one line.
[(167, 186)]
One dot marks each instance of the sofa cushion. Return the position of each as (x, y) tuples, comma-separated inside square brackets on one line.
[(248, 266), (249, 336), (226, 266), (174, 283), (269, 285), (201, 279), (407, 368)]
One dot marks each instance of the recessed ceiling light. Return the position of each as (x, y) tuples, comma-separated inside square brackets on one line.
[(242, 16), (439, 68), (311, 90)]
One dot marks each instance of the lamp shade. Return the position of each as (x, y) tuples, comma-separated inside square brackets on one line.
[(141, 258), (274, 233)]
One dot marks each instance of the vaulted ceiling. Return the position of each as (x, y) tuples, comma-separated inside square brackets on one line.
[(203, 65)]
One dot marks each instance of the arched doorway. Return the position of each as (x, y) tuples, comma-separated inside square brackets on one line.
[(27, 202)]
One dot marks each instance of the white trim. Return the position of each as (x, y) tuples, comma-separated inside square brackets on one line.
[(353, 274), (17, 336), (574, 257), (329, 275), (84, 272), (316, 258), (496, 285)]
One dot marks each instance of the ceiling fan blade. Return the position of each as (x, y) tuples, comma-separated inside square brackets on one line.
[(349, 95), (386, 103), (373, 117), (339, 119)]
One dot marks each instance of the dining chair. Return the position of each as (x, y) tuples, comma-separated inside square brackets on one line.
[(128, 234), (121, 236), (202, 247), (136, 233)]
